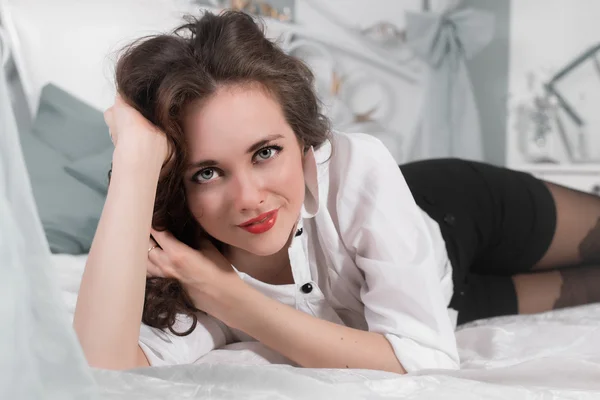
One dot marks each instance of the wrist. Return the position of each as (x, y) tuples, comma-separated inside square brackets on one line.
[(152, 151), (145, 159), (228, 302)]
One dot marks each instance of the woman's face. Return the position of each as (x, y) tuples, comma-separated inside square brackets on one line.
[(245, 164)]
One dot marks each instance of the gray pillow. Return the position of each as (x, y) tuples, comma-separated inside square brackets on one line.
[(69, 209), (93, 170), (68, 125)]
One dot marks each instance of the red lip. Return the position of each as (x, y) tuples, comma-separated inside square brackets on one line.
[(260, 224)]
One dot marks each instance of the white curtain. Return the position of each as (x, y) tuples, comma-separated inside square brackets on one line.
[(449, 121), (39, 356)]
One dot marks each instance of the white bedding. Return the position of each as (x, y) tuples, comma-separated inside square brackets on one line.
[(546, 356)]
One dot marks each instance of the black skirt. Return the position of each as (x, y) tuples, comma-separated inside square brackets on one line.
[(496, 223)]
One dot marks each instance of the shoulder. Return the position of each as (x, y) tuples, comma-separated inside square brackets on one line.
[(357, 147), (356, 160), (360, 181)]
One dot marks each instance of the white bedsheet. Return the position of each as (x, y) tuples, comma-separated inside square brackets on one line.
[(546, 356)]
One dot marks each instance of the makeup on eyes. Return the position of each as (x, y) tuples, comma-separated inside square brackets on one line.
[(211, 165)]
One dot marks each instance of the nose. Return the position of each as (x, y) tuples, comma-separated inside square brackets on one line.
[(247, 192)]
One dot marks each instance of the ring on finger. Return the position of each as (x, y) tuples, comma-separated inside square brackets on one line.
[(152, 248)]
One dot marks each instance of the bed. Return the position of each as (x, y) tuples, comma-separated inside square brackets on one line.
[(547, 356)]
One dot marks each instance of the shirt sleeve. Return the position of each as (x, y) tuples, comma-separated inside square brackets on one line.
[(162, 347), (383, 227)]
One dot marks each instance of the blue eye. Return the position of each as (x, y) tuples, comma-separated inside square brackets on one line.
[(267, 153), (205, 175)]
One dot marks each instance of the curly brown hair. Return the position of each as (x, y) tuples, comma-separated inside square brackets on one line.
[(162, 74)]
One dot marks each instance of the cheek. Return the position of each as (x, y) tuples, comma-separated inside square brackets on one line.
[(204, 205), (290, 180)]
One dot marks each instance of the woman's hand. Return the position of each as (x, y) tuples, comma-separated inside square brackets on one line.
[(215, 288), (206, 274), (134, 135), (111, 295)]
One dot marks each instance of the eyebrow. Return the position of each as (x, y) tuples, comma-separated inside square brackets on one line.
[(251, 149)]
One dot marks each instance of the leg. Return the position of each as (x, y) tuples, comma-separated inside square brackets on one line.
[(509, 230), (575, 249), (550, 290), (541, 227), (576, 239)]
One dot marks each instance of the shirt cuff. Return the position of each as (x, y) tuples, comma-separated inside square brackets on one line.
[(165, 348), (415, 357)]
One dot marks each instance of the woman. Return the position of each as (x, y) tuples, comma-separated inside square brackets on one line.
[(266, 226)]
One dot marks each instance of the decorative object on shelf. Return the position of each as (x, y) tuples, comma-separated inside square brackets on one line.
[(576, 90), (535, 123), (368, 98), (282, 10), (365, 103), (384, 33), (382, 38), (356, 100)]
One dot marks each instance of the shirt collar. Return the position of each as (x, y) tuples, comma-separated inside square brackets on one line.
[(313, 162)]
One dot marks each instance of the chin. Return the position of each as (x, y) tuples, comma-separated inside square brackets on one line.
[(265, 249), (266, 245)]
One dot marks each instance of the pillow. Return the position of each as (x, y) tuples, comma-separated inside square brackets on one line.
[(68, 125), (93, 170), (68, 209)]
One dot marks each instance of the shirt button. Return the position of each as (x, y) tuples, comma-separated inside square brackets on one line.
[(299, 232), (449, 219), (306, 288)]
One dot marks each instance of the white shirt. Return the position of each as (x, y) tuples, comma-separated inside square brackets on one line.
[(375, 261)]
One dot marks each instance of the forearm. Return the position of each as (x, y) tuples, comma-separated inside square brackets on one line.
[(109, 306), (309, 341)]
